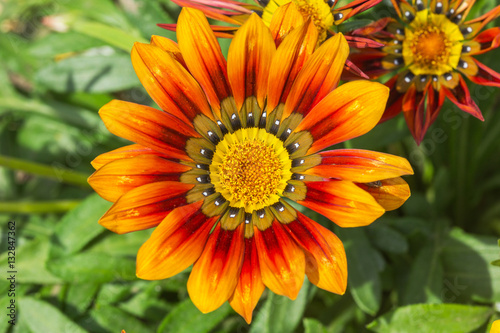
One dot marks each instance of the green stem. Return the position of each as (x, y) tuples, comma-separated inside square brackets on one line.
[(37, 207), (58, 173)]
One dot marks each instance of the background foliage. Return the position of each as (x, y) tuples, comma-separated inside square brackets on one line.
[(424, 268)]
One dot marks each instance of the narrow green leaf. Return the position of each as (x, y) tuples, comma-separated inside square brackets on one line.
[(92, 267), (438, 318), (313, 326), (68, 176), (111, 35), (38, 207), (281, 314), (186, 318), (79, 226), (41, 317), (364, 267)]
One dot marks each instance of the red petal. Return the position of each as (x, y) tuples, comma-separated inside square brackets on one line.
[(145, 207), (118, 177), (215, 275), (289, 59), (395, 101), (148, 127), (342, 202), (123, 152), (175, 244), (420, 117), (326, 264), (488, 40), (281, 260), (361, 166), (250, 286), (203, 55), (389, 193), (349, 111), (249, 61), (460, 95), (485, 76), (319, 76)]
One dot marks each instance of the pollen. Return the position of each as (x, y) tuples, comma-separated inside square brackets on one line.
[(319, 12), (432, 44), (431, 48), (250, 171), (250, 168)]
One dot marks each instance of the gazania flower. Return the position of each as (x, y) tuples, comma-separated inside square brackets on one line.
[(429, 50), (322, 12), (214, 172)]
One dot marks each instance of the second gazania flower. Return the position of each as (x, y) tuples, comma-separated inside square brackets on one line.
[(215, 171)]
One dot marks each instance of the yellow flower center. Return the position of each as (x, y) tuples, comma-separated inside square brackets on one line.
[(318, 10), (430, 47), (432, 44), (250, 168)]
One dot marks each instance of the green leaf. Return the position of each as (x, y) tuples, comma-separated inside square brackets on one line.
[(42, 317), (186, 318), (468, 273), (110, 35), (60, 43), (281, 314), (313, 326), (438, 318), (114, 320), (89, 73), (30, 262), (425, 280), (126, 244), (79, 296), (92, 267), (79, 226), (363, 265), (387, 239)]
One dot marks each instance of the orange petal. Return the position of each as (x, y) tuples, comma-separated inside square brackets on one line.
[(203, 55), (282, 261), (285, 19), (342, 202), (118, 177), (123, 152), (145, 207), (349, 111), (319, 76), (175, 244), (360, 165), (168, 46), (215, 275), (326, 264), (148, 126), (389, 193), (249, 59), (290, 57), (250, 286), (168, 83)]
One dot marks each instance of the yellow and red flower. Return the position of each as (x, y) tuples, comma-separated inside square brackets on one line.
[(322, 13), (214, 171), (429, 49)]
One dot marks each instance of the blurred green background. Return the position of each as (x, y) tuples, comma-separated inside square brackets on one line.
[(423, 268)]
